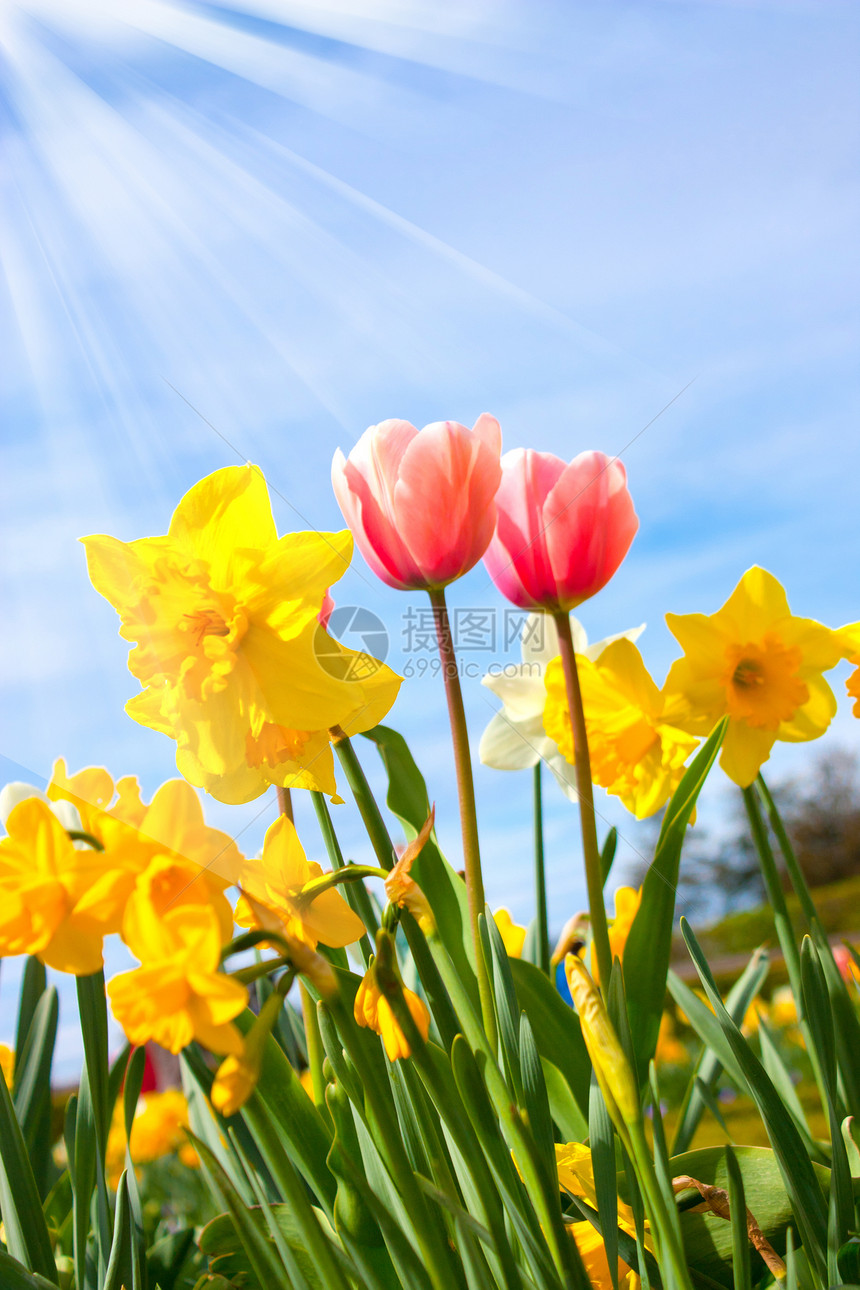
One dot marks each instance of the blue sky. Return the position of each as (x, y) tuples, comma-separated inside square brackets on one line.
[(293, 220)]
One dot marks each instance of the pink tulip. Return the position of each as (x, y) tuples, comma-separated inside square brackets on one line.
[(562, 531), (420, 503)]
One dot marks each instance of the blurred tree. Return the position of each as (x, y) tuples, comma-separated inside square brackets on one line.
[(821, 812)]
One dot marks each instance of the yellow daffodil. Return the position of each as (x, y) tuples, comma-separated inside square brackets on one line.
[(592, 1251), (169, 854), (783, 1007), (636, 754), (513, 936), (670, 1051), (57, 901), (756, 663), (157, 1130), (573, 939), (276, 882), (515, 737), (373, 1010), (576, 1176), (850, 637), (177, 994), (224, 618)]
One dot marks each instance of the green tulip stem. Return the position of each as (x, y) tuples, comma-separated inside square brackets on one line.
[(466, 794), (540, 877), (585, 793)]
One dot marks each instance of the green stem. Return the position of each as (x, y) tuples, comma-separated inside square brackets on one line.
[(365, 801), (775, 894), (466, 794), (662, 1221), (585, 793), (316, 1053), (782, 922), (382, 1124), (346, 874), (795, 873), (357, 897), (540, 878)]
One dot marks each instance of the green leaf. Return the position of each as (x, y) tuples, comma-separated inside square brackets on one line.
[(131, 1095), (556, 1029), (707, 1071), (796, 1167), (33, 984), (601, 1138), (607, 853), (708, 1240), (741, 1262), (33, 1088), (123, 1269), (165, 1258), (299, 1122), (27, 1238), (649, 945), (408, 800), (249, 1237), (507, 1008), (535, 1097), (14, 1276)]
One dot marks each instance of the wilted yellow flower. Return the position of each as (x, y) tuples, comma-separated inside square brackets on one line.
[(513, 936), (56, 901), (373, 1010), (276, 881), (754, 662), (401, 888), (177, 994), (636, 754), (224, 617), (7, 1064)]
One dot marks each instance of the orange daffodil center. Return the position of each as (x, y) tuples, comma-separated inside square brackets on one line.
[(762, 682), (227, 644), (758, 664), (636, 753)]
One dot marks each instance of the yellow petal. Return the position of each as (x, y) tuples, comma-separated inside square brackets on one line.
[(757, 602), (221, 515), (702, 641), (330, 920), (745, 750), (622, 666), (814, 717)]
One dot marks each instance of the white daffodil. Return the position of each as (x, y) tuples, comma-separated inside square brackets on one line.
[(12, 794), (515, 738)]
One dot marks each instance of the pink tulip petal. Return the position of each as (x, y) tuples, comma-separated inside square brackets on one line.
[(517, 558), (444, 499), (590, 523)]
